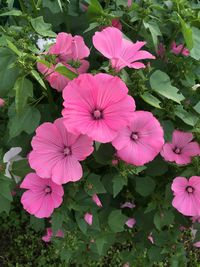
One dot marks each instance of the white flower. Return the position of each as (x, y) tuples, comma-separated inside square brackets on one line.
[(42, 43), (9, 157)]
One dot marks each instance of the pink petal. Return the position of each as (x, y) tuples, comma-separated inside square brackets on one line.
[(82, 148), (34, 182), (63, 44), (179, 185), (79, 49), (191, 149), (127, 205), (187, 204), (96, 200), (180, 139), (67, 170), (130, 222), (46, 209), (167, 152), (108, 42), (88, 217)]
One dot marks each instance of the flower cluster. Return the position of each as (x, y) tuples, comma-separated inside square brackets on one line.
[(97, 108)]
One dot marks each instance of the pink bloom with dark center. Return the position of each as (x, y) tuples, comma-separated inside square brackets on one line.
[(141, 141), (47, 238), (130, 222), (42, 195), (121, 52), (179, 49), (56, 152), (96, 200), (88, 217), (98, 106), (187, 195), (182, 149)]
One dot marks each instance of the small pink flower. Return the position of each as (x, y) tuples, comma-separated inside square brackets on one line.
[(121, 52), (181, 150), (49, 235), (127, 205), (42, 195), (179, 49), (141, 141), (161, 50), (98, 106), (96, 200), (187, 195), (116, 23), (56, 152), (126, 264), (2, 102), (129, 3), (150, 238), (130, 222), (88, 217)]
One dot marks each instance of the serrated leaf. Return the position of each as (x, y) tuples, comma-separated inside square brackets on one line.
[(144, 185), (116, 221), (118, 184), (94, 185), (65, 71), (154, 30), (42, 27), (14, 48), (38, 78), (160, 83), (187, 33)]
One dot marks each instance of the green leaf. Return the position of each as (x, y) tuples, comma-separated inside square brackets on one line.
[(153, 170), (197, 107), (8, 74), (57, 220), (38, 78), (151, 100), (187, 33), (28, 122), (94, 10), (144, 185), (92, 26), (81, 223), (116, 221), (154, 254), (37, 224), (14, 48), (65, 71), (23, 90), (104, 154), (187, 117), (160, 83), (13, 12), (5, 194), (154, 30), (118, 184), (21, 168), (41, 27), (195, 52), (94, 185), (163, 218)]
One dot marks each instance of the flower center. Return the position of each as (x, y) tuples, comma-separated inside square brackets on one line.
[(48, 190), (177, 150), (97, 114), (67, 151), (134, 136), (189, 189)]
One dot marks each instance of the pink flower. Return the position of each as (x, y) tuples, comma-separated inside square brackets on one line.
[(150, 238), (129, 3), (42, 195), (68, 47), (96, 200), (181, 150), (57, 80), (187, 195), (126, 265), (2, 102), (120, 51), (141, 141), (88, 217), (161, 50), (97, 106), (116, 23), (179, 49), (49, 235), (197, 244), (56, 152), (127, 205), (130, 222)]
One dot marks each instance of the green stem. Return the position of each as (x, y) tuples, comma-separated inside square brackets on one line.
[(34, 7), (22, 6), (39, 2)]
